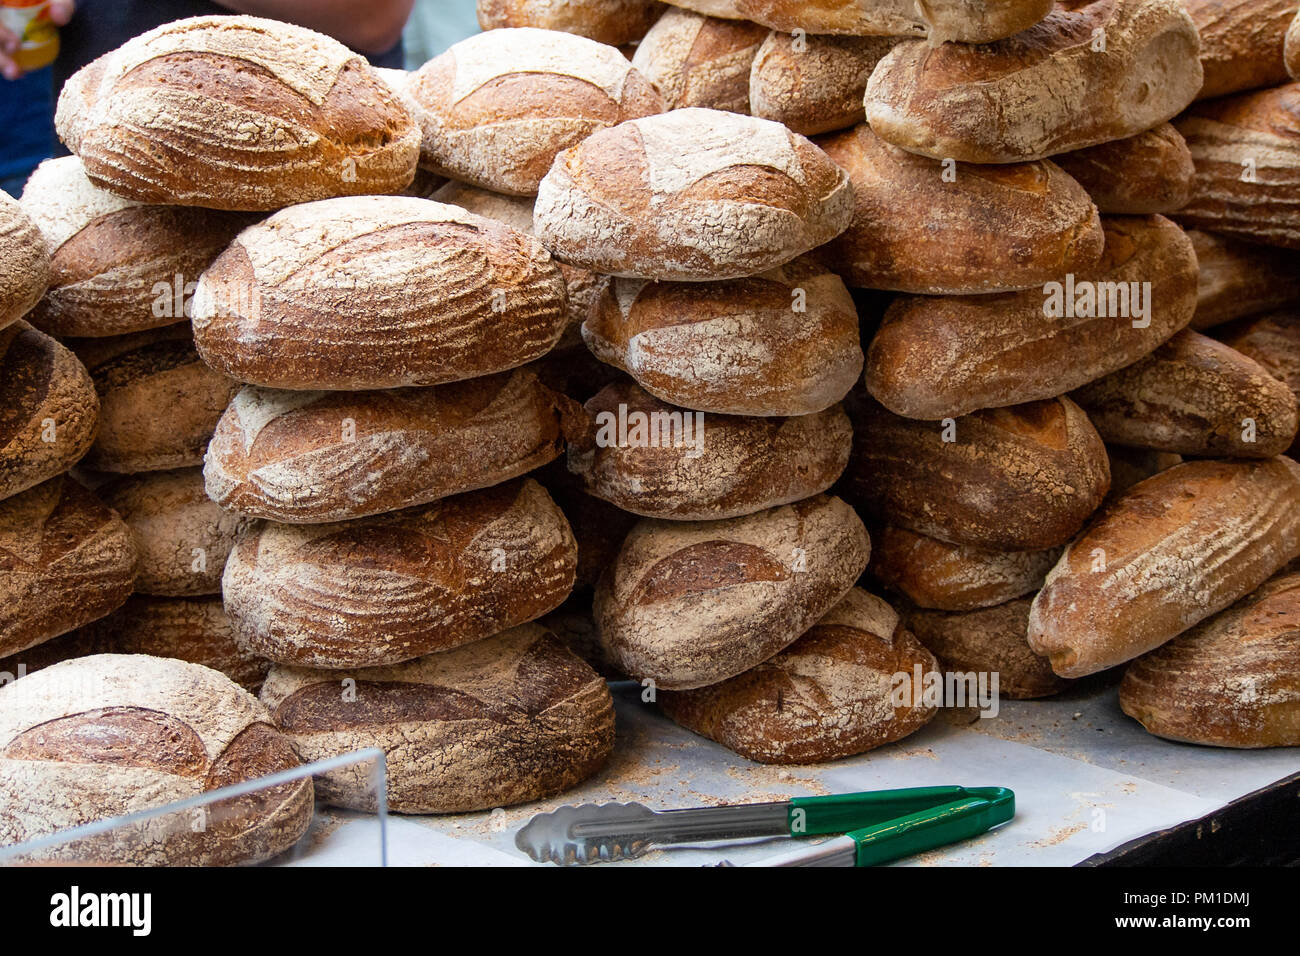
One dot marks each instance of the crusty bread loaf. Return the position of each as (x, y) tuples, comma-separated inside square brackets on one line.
[(954, 577), (1194, 396), (1170, 552), (691, 194), (1231, 681), (1238, 278), (67, 560), (831, 694), (182, 537), (1147, 173), (1247, 154), (77, 99), (241, 113), (616, 22), (48, 408), (117, 266), (194, 629), (1272, 340), (1241, 42), (306, 457), (497, 107), (988, 104), (377, 292), (989, 640), (1291, 50), (660, 461), (695, 60), (1128, 466), (781, 343), (813, 84), (508, 720), (158, 406), (392, 588), (1023, 478), (598, 526), (111, 734), (969, 21), (24, 261), (990, 229), (939, 357), (690, 604)]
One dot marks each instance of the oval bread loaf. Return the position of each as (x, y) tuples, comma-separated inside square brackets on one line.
[(1272, 340), (24, 261), (939, 357), (616, 22), (242, 113), (1231, 681), (376, 292), (1023, 478), (695, 60), (1239, 278), (512, 719), (690, 604), (988, 230), (306, 457), (693, 195), (1148, 173), (48, 408), (813, 84), (830, 694), (660, 461), (182, 537), (988, 104), (1167, 554), (66, 560), (781, 343), (497, 107), (955, 577), (1194, 396), (111, 734), (116, 265), (392, 588), (1241, 42)]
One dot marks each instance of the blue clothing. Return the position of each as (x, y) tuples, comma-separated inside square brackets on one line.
[(26, 126)]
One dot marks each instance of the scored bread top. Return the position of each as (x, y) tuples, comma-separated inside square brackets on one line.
[(62, 201)]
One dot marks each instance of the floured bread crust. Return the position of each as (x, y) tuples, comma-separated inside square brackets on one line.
[(24, 261)]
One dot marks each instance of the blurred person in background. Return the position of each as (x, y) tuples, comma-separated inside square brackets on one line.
[(436, 25), (92, 28)]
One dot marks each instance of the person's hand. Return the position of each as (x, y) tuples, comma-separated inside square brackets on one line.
[(60, 13)]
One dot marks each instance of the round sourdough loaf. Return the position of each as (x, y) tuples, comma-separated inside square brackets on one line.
[(830, 694), (781, 343), (511, 719), (969, 21), (1090, 72), (1231, 681), (377, 292), (158, 405), (241, 113), (1238, 279), (67, 560), (181, 536), (117, 266), (112, 734), (989, 229), (690, 604), (990, 641), (695, 60), (813, 84), (48, 408), (1194, 396), (305, 457), (616, 22), (1023, 478), (1247, 154), (194, 629), (691, 194), (24, 261), (660, 461), (939, 357), (392, 588), (1241, 42), (1165, 555), (954, 577), (1147, 173), (497, 107)]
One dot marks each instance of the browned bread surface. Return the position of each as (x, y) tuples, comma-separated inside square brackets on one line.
[(24, 261), (616, 22), (1148, 173), (1239, 278), (1241, 42), (695, 60), (813, 84)]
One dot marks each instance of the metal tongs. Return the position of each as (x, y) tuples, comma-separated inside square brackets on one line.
[(877, 826)]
